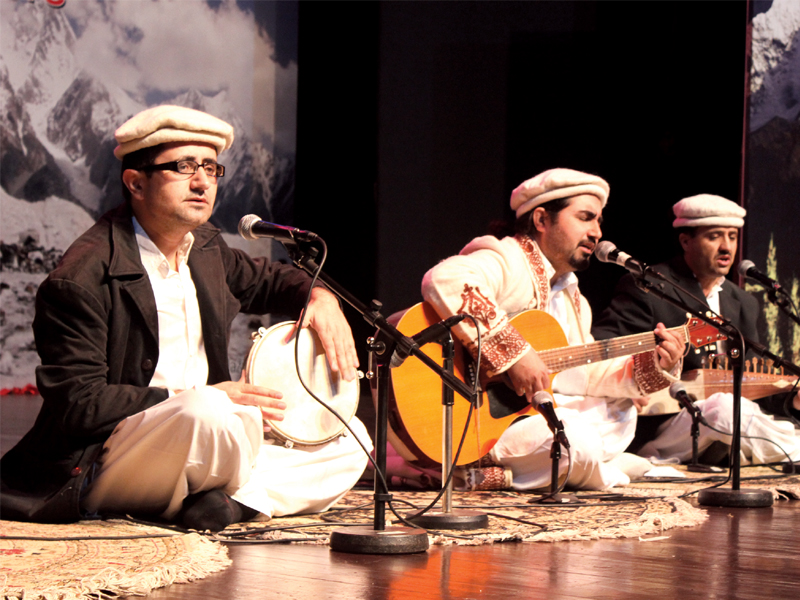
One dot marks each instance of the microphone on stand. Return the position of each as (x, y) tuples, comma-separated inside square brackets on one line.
[(678, 392), (608, 252), (543, 402), (427, 335), (251, 227), (747, 268)]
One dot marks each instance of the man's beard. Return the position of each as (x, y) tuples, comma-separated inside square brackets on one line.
[(579, 264)]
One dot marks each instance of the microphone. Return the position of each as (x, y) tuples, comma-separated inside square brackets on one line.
[(607, 252), (678, 391), (543, 402), (251, 227), (747, 268), (427, 335)]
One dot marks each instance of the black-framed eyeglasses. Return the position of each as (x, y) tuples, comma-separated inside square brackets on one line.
[(188, 167)]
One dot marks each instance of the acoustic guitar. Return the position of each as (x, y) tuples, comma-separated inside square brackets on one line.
[(415, 397), (704, 382)]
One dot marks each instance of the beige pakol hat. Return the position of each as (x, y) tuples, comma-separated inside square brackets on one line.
[(554, 184), (707, 210), (168, 123)]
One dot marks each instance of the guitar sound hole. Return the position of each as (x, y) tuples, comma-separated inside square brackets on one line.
[(503, 401)]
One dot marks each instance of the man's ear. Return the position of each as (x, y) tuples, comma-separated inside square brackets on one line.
[(540, 218), (683, 239), (133, 180)]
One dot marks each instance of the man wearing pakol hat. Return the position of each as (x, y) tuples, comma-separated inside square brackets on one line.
[(558, 216), (140, 413), (708, 228)]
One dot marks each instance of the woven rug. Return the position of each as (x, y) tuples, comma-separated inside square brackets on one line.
[(782, 487), (620, 514), (100, 559)]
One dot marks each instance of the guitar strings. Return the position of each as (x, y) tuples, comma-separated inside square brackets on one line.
[(572, 356)]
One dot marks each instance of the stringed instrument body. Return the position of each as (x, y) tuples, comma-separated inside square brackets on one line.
[(702, 383), (415, 397)]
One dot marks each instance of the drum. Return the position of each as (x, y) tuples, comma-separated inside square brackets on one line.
[(271, 363)]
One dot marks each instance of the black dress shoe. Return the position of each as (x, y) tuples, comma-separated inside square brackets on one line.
[(212, 510)]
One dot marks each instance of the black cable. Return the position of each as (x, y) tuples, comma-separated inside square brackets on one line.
[(314, 279)]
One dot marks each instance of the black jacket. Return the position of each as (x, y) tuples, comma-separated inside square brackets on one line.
[(96, 332), (634, 311)]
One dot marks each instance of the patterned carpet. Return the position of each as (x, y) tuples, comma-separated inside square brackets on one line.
[(100, 559), (645, 509), (511, 517), (782, 487), (106, 559)]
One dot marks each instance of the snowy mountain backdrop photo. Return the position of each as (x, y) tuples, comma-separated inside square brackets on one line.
[(71, 74)]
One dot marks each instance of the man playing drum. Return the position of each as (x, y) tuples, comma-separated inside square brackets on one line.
[(140, 414)]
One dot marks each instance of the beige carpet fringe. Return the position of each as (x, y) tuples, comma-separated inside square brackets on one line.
[(683, 515), (200, 557)]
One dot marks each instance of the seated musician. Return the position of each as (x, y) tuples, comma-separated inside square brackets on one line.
[(140, 414), (558, 217), (708, 229)]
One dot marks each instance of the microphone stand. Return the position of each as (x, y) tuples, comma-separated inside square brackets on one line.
[(379, 539), (734, 497), (695, 466), (555, 456), (781, 302), (448, 518)]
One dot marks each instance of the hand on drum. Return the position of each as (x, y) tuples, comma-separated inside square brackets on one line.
[(269, 401), (325, 317)]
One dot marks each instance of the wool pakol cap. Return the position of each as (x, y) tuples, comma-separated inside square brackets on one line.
[(555, 184), (167, 123), (707, 210)]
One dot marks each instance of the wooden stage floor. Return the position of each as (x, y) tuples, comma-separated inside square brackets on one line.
[(735, 554)]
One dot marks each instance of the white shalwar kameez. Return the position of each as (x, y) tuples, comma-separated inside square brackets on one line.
[(199, 440), (494, 280), (764, 439)]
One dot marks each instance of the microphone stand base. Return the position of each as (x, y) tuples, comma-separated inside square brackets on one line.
[(742, 498), (791, 468), (704, 469), (455, 519), (392, 540)]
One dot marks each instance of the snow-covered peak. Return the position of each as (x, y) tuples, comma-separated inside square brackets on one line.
[(774, 89)]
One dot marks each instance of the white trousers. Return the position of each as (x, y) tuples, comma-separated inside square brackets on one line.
[(525, 449), (199, 440), (674, 439)]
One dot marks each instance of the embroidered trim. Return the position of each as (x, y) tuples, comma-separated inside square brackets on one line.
[(479, 306), (501, 349), (647, 374), (576, 302), (541, 283), (490, 478)]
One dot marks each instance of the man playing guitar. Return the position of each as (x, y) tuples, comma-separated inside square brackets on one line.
[(558, 217)]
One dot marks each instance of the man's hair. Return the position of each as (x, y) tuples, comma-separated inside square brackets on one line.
[(136, 160), (524, 224), (690, 231)]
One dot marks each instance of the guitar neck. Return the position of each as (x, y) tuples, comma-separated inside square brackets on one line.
[(560, 359)]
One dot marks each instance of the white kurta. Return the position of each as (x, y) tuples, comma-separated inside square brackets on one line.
[(495, 280)]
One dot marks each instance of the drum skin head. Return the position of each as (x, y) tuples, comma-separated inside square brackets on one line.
[(271, 364)]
